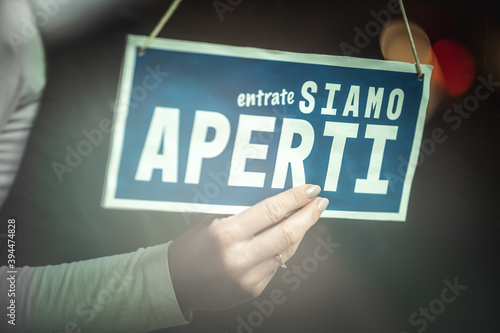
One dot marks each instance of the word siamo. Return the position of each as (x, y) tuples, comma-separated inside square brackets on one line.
[(161, 149)]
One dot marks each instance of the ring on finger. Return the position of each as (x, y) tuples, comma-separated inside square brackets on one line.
[(280, 257)]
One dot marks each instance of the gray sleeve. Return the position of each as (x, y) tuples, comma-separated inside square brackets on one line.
[(123, 293)]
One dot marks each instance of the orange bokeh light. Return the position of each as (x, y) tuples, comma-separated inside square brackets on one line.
[(395, 46)]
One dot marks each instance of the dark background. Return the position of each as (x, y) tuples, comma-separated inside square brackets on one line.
[(382, 272)]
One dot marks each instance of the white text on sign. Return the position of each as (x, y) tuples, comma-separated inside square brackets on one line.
[(163, 134)]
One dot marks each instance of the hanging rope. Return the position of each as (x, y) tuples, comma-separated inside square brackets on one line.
[(412, 43), (160, 25)]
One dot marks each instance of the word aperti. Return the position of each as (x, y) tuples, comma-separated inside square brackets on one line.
[(161, 147)]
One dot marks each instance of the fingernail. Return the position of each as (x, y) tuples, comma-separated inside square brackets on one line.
[(322, 204), (312, 191)]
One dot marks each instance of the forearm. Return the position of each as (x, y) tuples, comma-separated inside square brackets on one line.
[(124, 293)]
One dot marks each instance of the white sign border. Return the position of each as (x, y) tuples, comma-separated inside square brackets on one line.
[(121, 112)]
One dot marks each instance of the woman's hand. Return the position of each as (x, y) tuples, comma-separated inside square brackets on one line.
[(228, 261)]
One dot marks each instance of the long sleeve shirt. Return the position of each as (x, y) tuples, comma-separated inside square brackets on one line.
[(124, 293)]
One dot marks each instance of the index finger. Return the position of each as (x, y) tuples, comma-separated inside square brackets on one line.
[(272, 210)]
